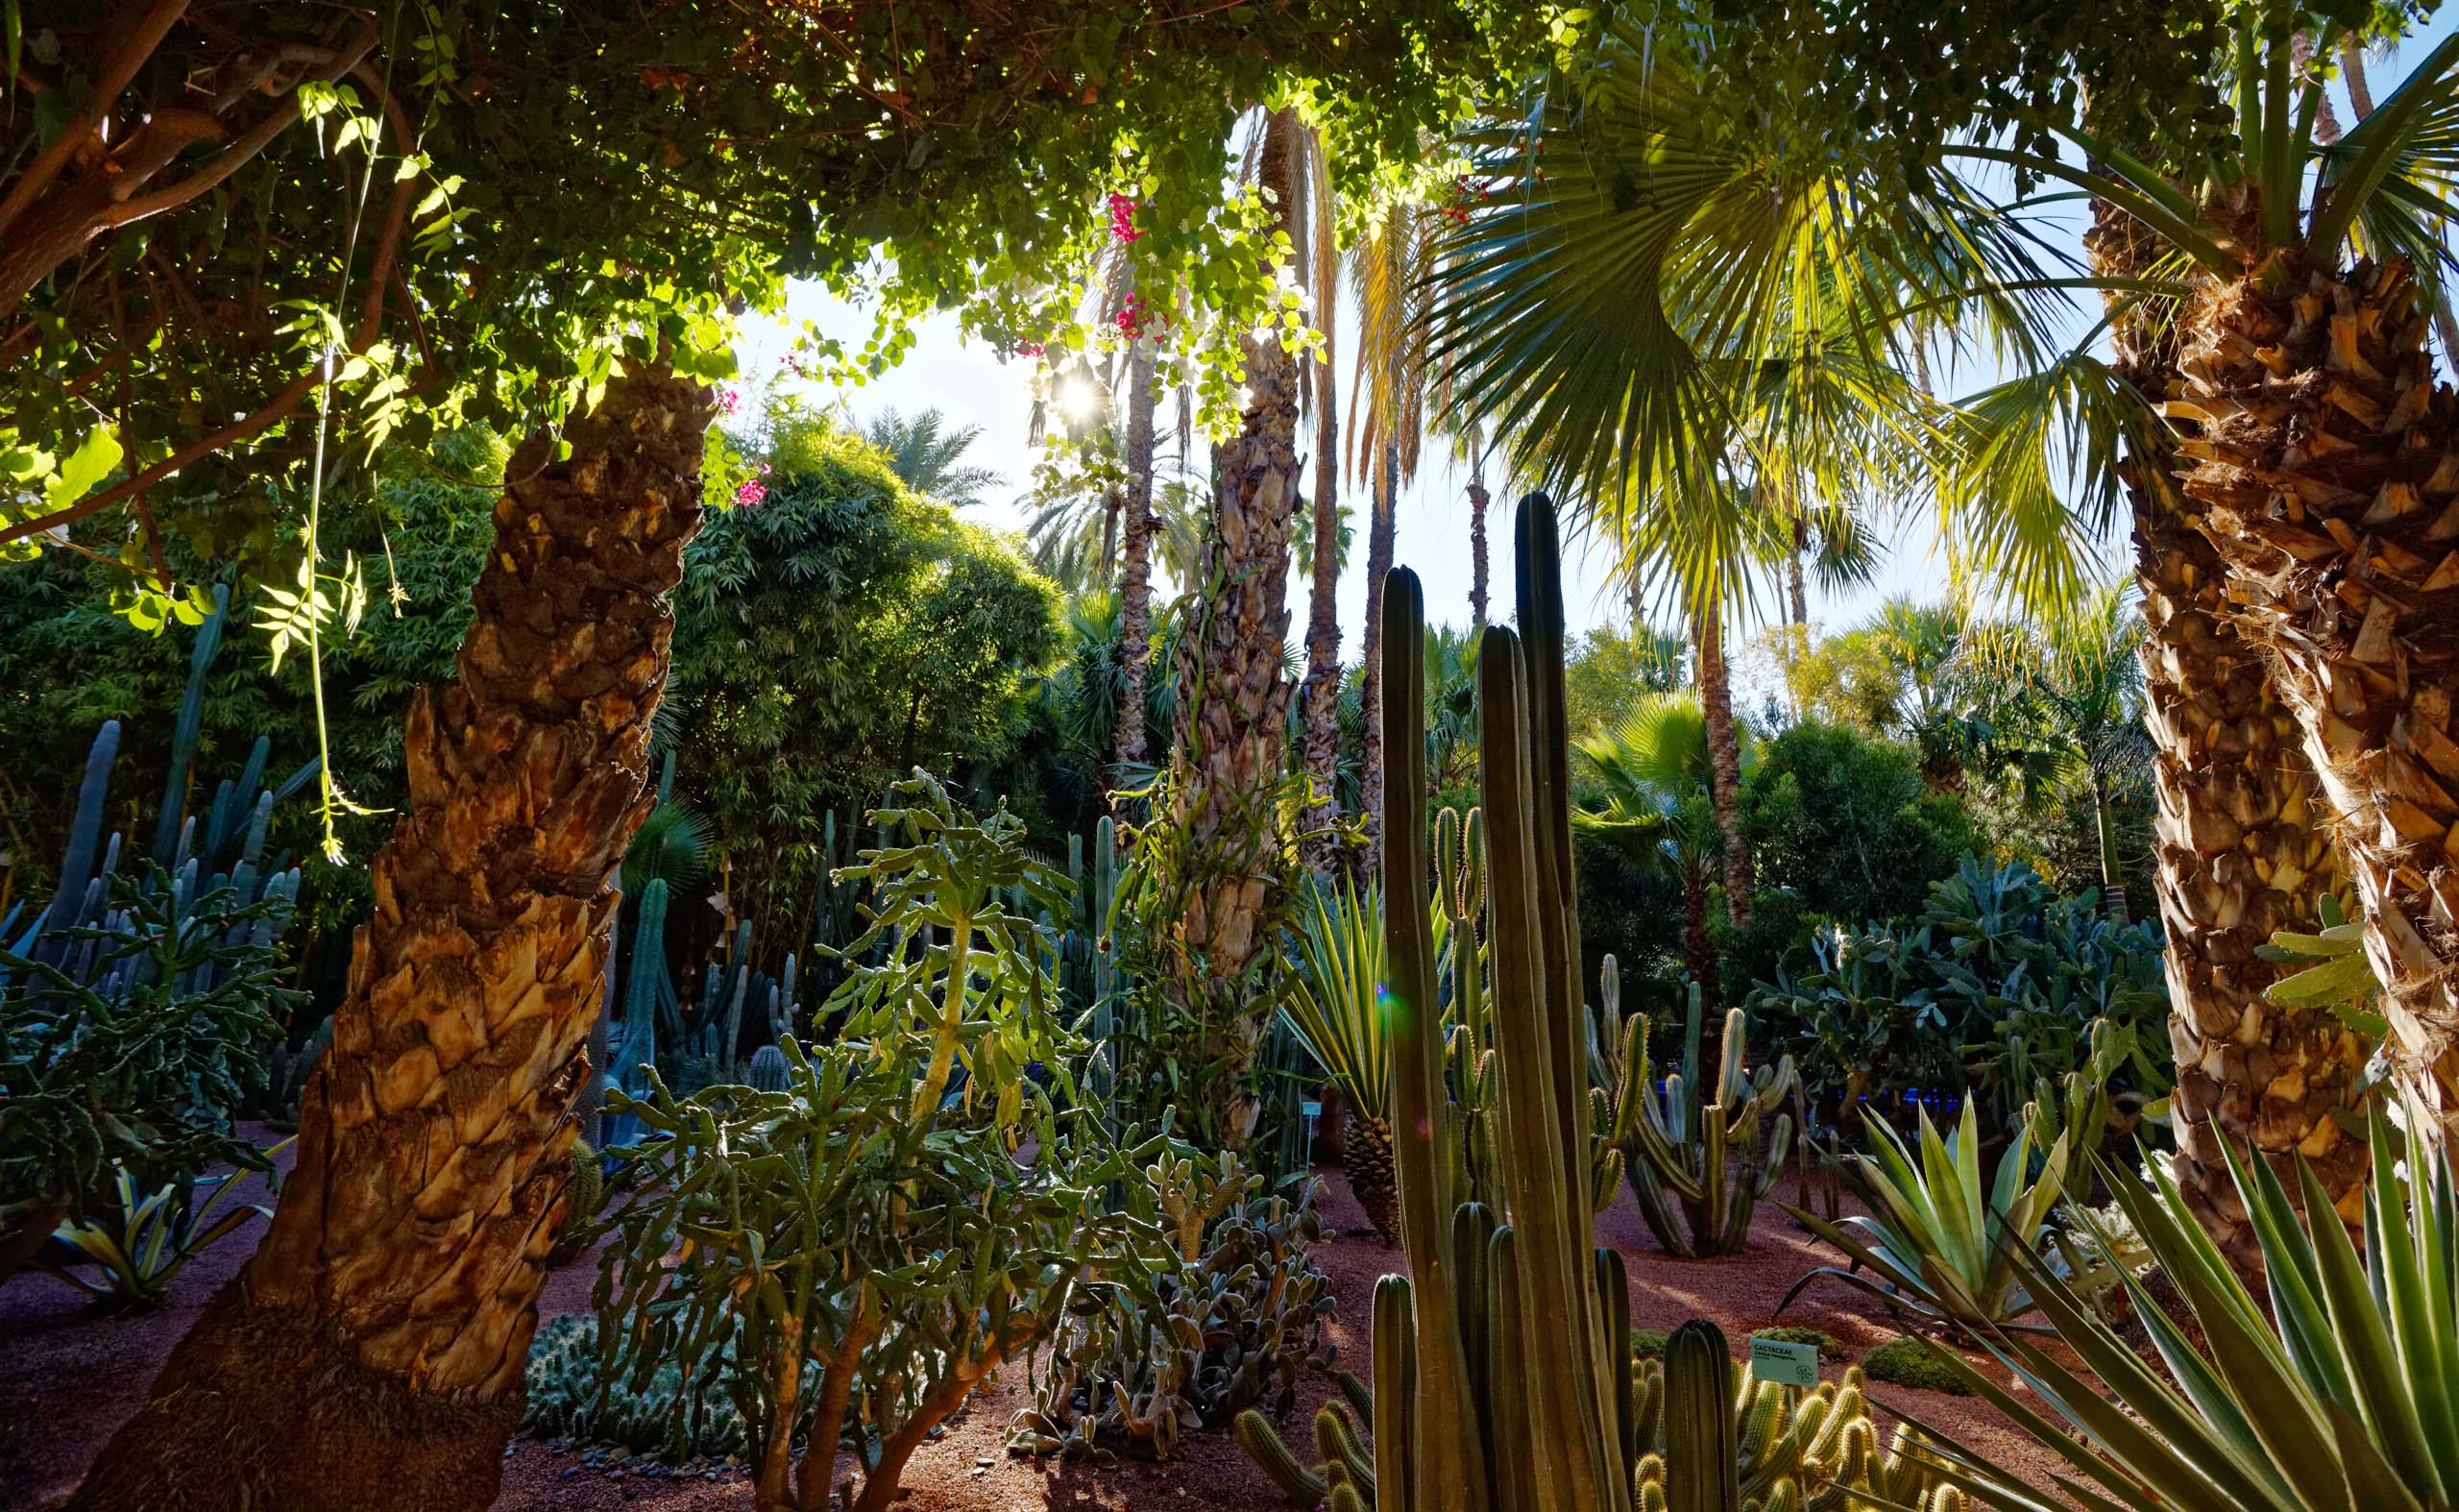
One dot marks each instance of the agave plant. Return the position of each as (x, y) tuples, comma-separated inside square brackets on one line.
[(1333, 1006), (134, 1249), (2342, 1392), (1934, 1243)]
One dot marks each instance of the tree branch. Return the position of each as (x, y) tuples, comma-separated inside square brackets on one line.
[(277, 408), (121, 68)]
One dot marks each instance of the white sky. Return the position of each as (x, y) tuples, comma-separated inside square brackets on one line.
[(972, 385)]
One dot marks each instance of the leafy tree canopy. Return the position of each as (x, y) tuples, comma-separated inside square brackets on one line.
[(835, 634), (228, 227)]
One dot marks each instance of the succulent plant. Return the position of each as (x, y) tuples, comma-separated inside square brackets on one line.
[(1505, 1343), (1782, 1448), (767, 1070), (1235, 1309), (1697, 1165)]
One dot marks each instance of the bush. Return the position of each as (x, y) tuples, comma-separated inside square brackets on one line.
[(1843, 821), (864, 1237), (835, 636), (1907, 1362), (1991, 992)]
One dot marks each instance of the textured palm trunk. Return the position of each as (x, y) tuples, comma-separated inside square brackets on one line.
[(1724, 763), (1135, 574), (1321, 700), (1369, 689), (2239, 850), (369, 1355), (1477, 569), (2327, 474), (1796, 586), (1236, 714)]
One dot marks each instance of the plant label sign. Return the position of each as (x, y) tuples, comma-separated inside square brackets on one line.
[(1783, 1362)]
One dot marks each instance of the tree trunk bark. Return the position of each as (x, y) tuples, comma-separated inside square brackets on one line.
[(1236, 713), (1321, 699), (1136, 574), (2328, 474), (1797, 590), (1477, 569), (1724, 763), (1378, 562), (1698, 947), (369, 1355), (2238, 848)]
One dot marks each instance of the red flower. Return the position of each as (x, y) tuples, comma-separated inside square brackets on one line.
[(1123, 218)]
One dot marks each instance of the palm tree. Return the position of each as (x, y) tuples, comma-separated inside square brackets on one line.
[(1389, 270), (1594, 334), (1065, 531), (393, 1298), (1324, 549), (1651, 774), (928, 454), (1228, 764), (2311, 464), (2073, 693)]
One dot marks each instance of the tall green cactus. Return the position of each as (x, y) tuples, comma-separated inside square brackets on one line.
[(1714, 1155), (1541, 1431)]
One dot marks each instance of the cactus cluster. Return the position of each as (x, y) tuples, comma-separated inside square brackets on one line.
[(1791, 1450), (1500, 1358), (144, 1001), (1236, 1311), (1699, 1163), (1701, 1433)]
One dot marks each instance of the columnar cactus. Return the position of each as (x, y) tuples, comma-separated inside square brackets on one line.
[(1513, 1398), (1716, 1157)]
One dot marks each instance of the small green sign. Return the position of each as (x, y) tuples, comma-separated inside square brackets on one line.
[(1783, 1362)]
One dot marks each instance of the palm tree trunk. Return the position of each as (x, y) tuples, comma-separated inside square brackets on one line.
[(1321, 698), (2327, 473), (1795, 589), (1112, 499), (1136, 574), (1378, 562), (1698, 947), (1236, 711), (1724, 762), (1478, 565), (369, 1355), (2238, 847)]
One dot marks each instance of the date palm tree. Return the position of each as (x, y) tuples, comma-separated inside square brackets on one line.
[(1227, 766), (391, 1305), (928, 454)]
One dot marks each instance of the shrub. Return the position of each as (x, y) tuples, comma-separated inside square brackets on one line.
[(1844, 821), (1908, 1362), (865, 1238), (1993, 990)]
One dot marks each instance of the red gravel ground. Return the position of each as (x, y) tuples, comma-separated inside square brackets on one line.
[(68, 1377)]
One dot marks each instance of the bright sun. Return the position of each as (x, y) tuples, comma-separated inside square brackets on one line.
[(1079, 398)]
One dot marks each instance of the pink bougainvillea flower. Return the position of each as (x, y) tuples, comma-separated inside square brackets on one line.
[(1123, 218), (751, 493), (729, 400)]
